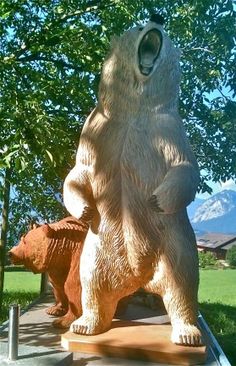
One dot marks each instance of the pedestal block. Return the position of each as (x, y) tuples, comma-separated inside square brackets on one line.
[(136, 340)]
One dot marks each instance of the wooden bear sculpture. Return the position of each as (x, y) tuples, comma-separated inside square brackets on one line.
[(136, 171), (56, 249)]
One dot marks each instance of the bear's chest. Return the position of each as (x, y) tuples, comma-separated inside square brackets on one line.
[(140, 161), (127, 151)]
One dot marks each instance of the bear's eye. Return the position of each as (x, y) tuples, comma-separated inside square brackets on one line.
[(140, 29)]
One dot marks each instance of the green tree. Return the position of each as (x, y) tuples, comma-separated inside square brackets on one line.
[(4, 226), (51, 54), (231, 256), (206, 259)]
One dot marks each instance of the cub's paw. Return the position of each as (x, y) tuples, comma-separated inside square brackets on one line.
[(87, 326), (63, 322), (187, 335), (154, 204), (56, 310)]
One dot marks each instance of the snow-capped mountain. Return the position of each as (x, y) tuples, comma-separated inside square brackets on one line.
[(192, 208), (217, 213)]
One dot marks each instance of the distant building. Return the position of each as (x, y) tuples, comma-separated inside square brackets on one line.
[(215, 243)]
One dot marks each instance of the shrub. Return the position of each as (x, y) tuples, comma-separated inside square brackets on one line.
[(15, 268), (206, 259), (231, 256)]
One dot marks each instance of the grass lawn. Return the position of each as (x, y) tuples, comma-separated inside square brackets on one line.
[(217, 300), (19, 287), (22, 281), (218, 286)]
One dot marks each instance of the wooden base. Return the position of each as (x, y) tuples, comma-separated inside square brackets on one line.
[(136, 340)]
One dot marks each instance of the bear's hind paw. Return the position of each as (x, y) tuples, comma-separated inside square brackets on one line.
[(187, 335), (56, 311)]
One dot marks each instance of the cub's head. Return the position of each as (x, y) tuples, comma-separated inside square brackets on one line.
[(32, 250), (145, 61), (42, 244)]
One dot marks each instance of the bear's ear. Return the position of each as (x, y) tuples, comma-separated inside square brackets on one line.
[(33, 225), (47, 230)]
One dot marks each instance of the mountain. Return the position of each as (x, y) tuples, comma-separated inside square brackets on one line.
[(217, 214), (193, 207)]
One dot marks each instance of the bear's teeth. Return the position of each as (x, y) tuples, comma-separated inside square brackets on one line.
[(145, 70)]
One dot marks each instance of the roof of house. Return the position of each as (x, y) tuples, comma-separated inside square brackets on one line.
[(216, 241)]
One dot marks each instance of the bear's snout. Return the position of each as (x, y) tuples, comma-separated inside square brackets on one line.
[(16, 255)]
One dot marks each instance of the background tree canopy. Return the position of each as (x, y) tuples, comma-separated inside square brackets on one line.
[(51, 54)]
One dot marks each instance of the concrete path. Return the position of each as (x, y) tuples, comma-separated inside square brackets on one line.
[(35, 326), (36, 331)]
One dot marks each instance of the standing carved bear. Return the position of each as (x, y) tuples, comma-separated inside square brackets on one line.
[(135, 171)]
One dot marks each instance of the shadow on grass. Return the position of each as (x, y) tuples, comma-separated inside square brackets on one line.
[(16, 297), (222, 322)]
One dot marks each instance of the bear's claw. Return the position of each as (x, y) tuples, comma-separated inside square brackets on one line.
[(187, 335), (88, 214), (153, 203), (78, 328)]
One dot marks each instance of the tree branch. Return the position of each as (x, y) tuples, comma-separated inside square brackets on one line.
[(196, 49), (59, 63), (223, 95), (92, 5)]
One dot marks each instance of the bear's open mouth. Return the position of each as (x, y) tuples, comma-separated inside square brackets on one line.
[(149, 50)]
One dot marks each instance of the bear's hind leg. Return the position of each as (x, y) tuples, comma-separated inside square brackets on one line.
[(73, 292), (61, 306), (182, 309), (176, 280), (101, 287), (181, 305)]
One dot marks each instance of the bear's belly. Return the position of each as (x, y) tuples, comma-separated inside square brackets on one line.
[(122, 201)]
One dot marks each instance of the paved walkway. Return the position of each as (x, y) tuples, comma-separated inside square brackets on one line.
[(35, 327), (36, 330)]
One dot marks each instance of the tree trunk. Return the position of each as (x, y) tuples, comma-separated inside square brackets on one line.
[(3, 238)]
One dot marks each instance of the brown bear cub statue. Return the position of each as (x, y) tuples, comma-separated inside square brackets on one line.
[(56, 249)]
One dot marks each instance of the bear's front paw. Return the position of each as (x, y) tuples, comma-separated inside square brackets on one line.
[(88, 214), (88, 325), (187, 335), (154, 204)]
